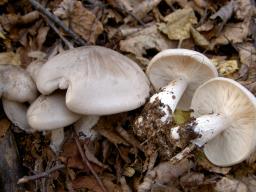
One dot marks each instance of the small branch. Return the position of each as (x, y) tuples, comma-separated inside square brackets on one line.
[(185, 152), (85, 160), (57, 21), (47, 173), (51, 24)]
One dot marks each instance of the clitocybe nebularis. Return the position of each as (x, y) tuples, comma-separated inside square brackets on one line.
[(175, 73), (225, 123), (99, 81)]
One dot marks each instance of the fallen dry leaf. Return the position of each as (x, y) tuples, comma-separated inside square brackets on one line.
[(199, 39), (207, 165), (250, 182), (243, 9), (4, 126), (89, 182), (81, 20), (230, 185), (247, 54), (232, 33), (147, 39), (192, 179), (225, 12), (178, 24), (10, 58), (142, 9)]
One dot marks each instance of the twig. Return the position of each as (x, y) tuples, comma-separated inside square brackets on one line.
[(57, 21), (51, 24), (85, 160), (47, 173), (185, 152)]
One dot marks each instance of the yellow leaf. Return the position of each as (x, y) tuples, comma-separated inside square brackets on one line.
[(178, 24), (10, 58), (225, 67), (181, 117)]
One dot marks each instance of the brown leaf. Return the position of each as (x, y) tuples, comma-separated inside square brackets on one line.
[(250, 182), (247, 54), (225, 12), (192, 179), (146, 39), (41, 36), (230, 185), (199, 39), (165, 172), (243, 9), (82, 21), (207, 165), (178, 24), (10, 58), (4, 126), (232, 33), (142, 9), (89, 182)]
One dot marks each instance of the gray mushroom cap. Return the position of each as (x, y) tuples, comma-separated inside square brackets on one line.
[(99, 81), (50, 112), (16, 113), (16, 84)]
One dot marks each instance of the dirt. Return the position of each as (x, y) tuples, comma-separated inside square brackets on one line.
[(152, 132)]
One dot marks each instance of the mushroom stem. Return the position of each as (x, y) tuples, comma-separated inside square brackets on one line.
[(169, 97), (203, 129), (57, 138)]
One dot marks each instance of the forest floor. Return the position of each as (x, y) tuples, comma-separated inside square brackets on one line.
[(224, 31)]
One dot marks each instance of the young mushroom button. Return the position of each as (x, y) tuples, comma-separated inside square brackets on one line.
[(99, 81), (16, 88), (225, 123), (176, 73)]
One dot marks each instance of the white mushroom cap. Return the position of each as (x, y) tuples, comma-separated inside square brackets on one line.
[(171, 64), (230, 99), (34, 68), (16, 113), (99, 81), (50, 112), (16, 84)]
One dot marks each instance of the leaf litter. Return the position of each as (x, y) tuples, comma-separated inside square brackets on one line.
[(222, 30)]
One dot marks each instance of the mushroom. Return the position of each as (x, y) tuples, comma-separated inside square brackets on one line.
[(99, 81), (51, 113), (17, 87), (225, 123), (176, 73)]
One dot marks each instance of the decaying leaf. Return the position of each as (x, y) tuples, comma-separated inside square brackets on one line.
[(192, 179), (178, 24), (247, 54), (232, 33), (226, 67), (243, 9), (82, 21), (207, 26), (199, 39), (225, 12), (207, 165), (142, 9), (147, 39), (10, 58), (164, 173), (230, 185), (89, 182), (4, 126), (250, 182)]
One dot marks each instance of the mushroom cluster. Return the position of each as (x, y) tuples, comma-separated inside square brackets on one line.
[(224, 111), (98, 81)]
